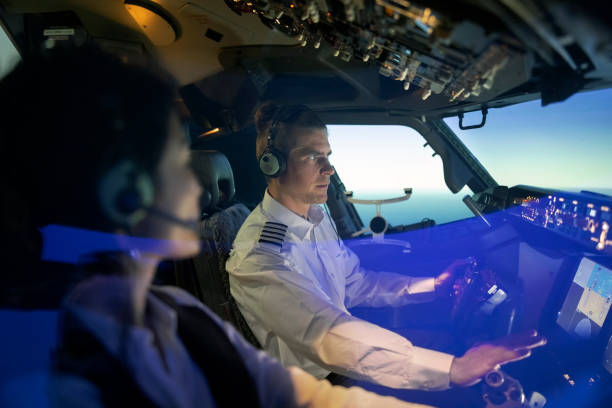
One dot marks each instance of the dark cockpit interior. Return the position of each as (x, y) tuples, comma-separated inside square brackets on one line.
[(539, 257)]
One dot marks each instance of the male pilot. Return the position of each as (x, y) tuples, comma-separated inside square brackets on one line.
[(293, 279)]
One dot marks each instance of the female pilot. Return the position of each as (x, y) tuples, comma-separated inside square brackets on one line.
[(101, 160)]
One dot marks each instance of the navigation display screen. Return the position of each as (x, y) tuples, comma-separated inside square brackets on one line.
[(587, 303)]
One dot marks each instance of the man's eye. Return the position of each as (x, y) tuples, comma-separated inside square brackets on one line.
[(312, 157)]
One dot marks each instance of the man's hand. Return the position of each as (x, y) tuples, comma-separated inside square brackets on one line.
[(479, 360), (444, 281)]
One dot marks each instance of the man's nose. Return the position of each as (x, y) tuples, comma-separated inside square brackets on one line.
[(327, 168)]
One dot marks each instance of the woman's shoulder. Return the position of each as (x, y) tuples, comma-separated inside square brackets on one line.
[(182, 298)]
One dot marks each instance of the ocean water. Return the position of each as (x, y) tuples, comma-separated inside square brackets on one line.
[(441, 206)]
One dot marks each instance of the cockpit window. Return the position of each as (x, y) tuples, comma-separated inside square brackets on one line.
[(9, 56), (564, 145), (377, 162)]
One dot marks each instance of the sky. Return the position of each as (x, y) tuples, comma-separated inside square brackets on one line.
[(565, 145), (8, 54)]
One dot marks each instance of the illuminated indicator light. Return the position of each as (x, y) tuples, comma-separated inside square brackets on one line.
[(590, 205), (210, 132), (575, 202), (549, 196), (572, 382), (566, 376), (456, 94), (605, 208), (602, 237), (561, 199)]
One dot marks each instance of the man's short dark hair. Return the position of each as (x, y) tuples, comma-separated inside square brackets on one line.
[(285, 119)]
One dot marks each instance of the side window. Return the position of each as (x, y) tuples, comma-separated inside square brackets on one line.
[(9, 56), (564, 145), (380, 161)]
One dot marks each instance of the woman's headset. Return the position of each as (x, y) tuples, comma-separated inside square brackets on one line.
[(126, 193), (273, 162)]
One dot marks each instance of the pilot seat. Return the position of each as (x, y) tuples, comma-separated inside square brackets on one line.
[(205, 276)]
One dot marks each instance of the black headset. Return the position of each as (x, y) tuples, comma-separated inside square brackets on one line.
[(126, 193), (273, 162)]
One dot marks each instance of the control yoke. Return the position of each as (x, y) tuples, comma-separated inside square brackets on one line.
[(378, 224)]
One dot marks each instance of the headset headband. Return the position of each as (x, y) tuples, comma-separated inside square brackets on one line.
[(283, 115), (273, 162)]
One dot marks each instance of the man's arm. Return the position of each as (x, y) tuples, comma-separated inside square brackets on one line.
[(278, 386), (285, 302), (284, 387), (314, 393), (377, 289)]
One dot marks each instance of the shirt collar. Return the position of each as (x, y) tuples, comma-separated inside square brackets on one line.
[(296, 224)]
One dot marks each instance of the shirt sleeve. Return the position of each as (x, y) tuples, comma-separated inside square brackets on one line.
[(285, 302), (377, 289), (314, 393)]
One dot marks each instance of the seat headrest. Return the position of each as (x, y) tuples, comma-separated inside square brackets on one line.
[(215, 174)]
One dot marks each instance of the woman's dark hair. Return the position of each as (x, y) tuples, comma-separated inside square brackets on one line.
[(284, 118), (68, 117)]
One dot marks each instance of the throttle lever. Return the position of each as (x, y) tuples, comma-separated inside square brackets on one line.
[(499, 390)]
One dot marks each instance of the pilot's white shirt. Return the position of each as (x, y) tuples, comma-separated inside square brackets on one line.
[(293, 280)]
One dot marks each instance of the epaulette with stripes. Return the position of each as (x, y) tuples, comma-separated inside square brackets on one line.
[(273, 233)]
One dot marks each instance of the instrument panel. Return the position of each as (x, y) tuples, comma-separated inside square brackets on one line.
[(587, 303), (584, 217)]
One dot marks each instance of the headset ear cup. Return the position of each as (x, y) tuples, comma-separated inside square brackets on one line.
[(272, 163), (125, 194), (282, 162)]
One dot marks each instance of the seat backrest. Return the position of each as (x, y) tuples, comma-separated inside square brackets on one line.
[(205, 275)]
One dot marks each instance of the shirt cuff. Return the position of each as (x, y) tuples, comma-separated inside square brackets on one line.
[(422, 285), (434, 367)]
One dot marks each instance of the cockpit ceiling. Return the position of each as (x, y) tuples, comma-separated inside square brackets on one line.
[(206, 27), (323, 81), (429, 57)]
